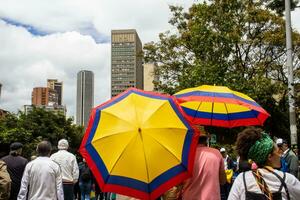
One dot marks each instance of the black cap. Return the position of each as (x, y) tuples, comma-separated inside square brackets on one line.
[(16, 146)]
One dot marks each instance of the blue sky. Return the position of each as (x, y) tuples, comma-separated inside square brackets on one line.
[(58, 38)]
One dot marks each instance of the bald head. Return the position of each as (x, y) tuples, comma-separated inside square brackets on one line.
[(44, 148)]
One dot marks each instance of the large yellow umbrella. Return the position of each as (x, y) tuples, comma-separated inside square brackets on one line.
[(139, 144)]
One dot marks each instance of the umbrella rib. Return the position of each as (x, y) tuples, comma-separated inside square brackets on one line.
[(109, 113), (145, 162), (119, 158), (227, 114), (197, 110), (154, 112), (165, 147), (212, 108)]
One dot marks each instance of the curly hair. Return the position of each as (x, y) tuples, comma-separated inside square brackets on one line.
[(246, 139)]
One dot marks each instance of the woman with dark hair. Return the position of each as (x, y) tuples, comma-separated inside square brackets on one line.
[(264, 183)]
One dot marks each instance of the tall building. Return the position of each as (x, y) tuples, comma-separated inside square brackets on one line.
[(126, 61), (58, 87), (149, 76), (85, 96), (44, 96)]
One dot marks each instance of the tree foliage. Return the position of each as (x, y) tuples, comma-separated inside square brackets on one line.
[(240, 44), (38, 125)]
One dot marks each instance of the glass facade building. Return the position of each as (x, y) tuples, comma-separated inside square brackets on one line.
[(126, 61)]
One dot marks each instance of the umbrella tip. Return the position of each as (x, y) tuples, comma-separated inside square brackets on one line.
[(140, 130)]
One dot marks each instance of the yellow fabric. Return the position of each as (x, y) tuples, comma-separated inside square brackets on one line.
[(229, 175), (134, 136), (222, 108)]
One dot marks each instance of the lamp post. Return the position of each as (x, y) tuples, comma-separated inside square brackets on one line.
[(289, 64)]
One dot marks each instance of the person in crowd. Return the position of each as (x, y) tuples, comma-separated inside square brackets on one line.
[(289, 160), (208, 173), (68, 164), (42, 177), (15, 167), (265, 182), (229, 170), (5, 182), (85, 180)]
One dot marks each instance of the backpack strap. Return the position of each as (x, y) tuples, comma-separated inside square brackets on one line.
[(282, 182), (244, 180), (262, 184)]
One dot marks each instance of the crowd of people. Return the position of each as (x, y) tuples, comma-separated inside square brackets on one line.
[(264, 169)]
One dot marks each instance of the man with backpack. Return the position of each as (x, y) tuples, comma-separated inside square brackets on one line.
[(85, 181), (5, 181), (289, 160)]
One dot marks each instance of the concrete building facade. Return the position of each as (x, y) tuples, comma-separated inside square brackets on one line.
[(58, 87), (44, 96), (126, 61), (85, 96), (149, 77)]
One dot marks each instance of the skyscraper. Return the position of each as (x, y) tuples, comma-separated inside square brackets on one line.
[(58, 87), (85, 96), (126, 61)]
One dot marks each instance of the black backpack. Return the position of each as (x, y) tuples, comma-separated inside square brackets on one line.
[(86, 173)]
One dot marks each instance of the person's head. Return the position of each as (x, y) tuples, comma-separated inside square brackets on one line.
[(204, 137), (282, 144), (223, 152), (63, 144), (16, 148), (252, 143), (44, 148)]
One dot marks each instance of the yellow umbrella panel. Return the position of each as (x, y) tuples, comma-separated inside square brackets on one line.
[(139, 144)]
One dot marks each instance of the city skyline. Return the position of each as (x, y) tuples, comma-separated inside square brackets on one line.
[(34, 47)]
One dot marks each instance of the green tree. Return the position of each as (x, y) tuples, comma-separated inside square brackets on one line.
[(38, 125), (240, 44), (279, 5)]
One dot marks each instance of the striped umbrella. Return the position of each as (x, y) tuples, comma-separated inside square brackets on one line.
[(220, 106)]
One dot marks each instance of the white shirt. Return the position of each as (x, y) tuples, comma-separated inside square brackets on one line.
[(237, 191), (68, 165), (41, 180)]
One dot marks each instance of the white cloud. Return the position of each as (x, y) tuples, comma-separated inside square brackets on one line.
[(26, 61)]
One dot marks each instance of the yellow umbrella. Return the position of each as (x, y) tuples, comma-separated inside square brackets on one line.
[(139, 144)]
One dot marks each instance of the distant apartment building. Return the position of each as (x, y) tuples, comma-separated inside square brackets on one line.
[(149, 76), (85, 96), (126, 61), (44, 96), (58, 87)]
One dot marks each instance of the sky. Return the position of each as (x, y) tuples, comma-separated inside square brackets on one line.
[(55, 39)]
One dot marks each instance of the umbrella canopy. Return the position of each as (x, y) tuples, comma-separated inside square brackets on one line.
[(139, 144), (220, 106)]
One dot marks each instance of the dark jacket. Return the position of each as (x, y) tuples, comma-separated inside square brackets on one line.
[(292, 161), (15, 167)]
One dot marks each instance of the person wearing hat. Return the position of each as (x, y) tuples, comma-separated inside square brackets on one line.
[(69, 168), (289, 160), (208, 173), (15, 166)]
